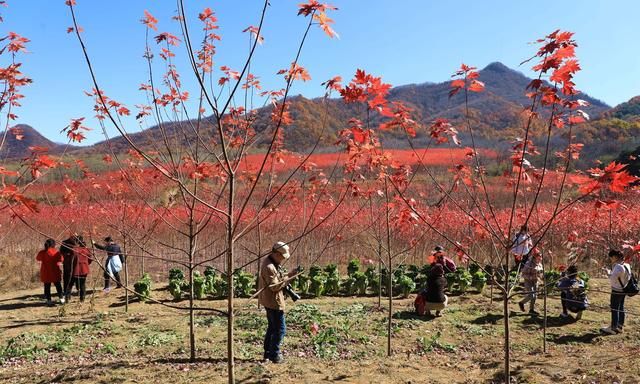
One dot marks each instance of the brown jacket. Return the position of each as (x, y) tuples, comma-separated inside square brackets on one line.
[(271, 296)]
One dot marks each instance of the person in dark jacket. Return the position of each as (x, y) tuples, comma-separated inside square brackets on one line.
[(573, 295), (67, 250), (81, 267), (113, 263), (436, 283)]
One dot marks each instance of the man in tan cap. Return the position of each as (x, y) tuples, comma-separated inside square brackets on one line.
[(271, 297)]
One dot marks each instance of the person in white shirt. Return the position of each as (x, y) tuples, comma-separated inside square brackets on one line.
[(619, 276), (522, 245)]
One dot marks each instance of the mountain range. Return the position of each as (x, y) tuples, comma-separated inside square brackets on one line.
[(495, 114)]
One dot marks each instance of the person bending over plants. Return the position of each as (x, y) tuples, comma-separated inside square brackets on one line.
[(531, 273), (438, 257), (113, 263), (271, 296), (572, 293)]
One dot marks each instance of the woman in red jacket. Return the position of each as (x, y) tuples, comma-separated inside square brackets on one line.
[(81, 266), (50, 260)]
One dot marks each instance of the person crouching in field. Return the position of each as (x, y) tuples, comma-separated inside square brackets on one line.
[(531, 273), (50, 273), (271, 284), (435, 299), (619, 276), (572, 293), (81, 267)]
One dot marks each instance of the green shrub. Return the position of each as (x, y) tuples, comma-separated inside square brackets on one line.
[(360, 282), (198, 285), (464, 279), (317, 284), (332, 286), (175, 288), (479, 279), (143, 287), (406, 285), (244, 283), (353, 267), (176, 274)]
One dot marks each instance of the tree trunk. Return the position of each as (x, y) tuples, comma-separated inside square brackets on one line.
[(390, 272), (126, 276), (230, 263), (507, 337), (192, 335)]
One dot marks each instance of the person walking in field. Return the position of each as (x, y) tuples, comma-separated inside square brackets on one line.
[(619, 276), (50, 260), (522, 245), (572, 294), (271, 296), (113, 263), (531, 273), (81, 267)]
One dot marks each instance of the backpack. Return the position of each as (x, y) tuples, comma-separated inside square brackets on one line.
[(420, 304), (631, 289)]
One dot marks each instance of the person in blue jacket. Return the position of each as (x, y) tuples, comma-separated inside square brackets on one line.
[(572, 294)]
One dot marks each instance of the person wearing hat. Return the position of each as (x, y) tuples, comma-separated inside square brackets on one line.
[(113, 263), (270, 285), (438, 257)]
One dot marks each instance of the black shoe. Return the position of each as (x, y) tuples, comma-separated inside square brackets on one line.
[(521, 305)]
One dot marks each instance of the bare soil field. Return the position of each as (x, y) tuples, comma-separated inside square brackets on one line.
[(97, 342)]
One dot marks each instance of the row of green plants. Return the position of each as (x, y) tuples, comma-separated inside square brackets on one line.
[(327, 281)]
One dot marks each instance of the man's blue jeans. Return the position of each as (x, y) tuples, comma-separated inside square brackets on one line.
[(275, 333), (617, 309)]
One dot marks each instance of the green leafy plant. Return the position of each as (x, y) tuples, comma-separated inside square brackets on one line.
[(176, 274), (406, 285), (332, 286), (479, 279), (373, 279), (198, 285), (175, 288), (360, 282), (353, 267), (463, 279), (584, 276), (433, 343), (143, 287), (244, 283), (303, 283), (451, 280), (317, 284)]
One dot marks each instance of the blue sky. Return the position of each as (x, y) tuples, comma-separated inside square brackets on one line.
[(404, 41)]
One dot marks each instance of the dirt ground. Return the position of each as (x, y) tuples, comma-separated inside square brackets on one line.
[(97, 342)]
